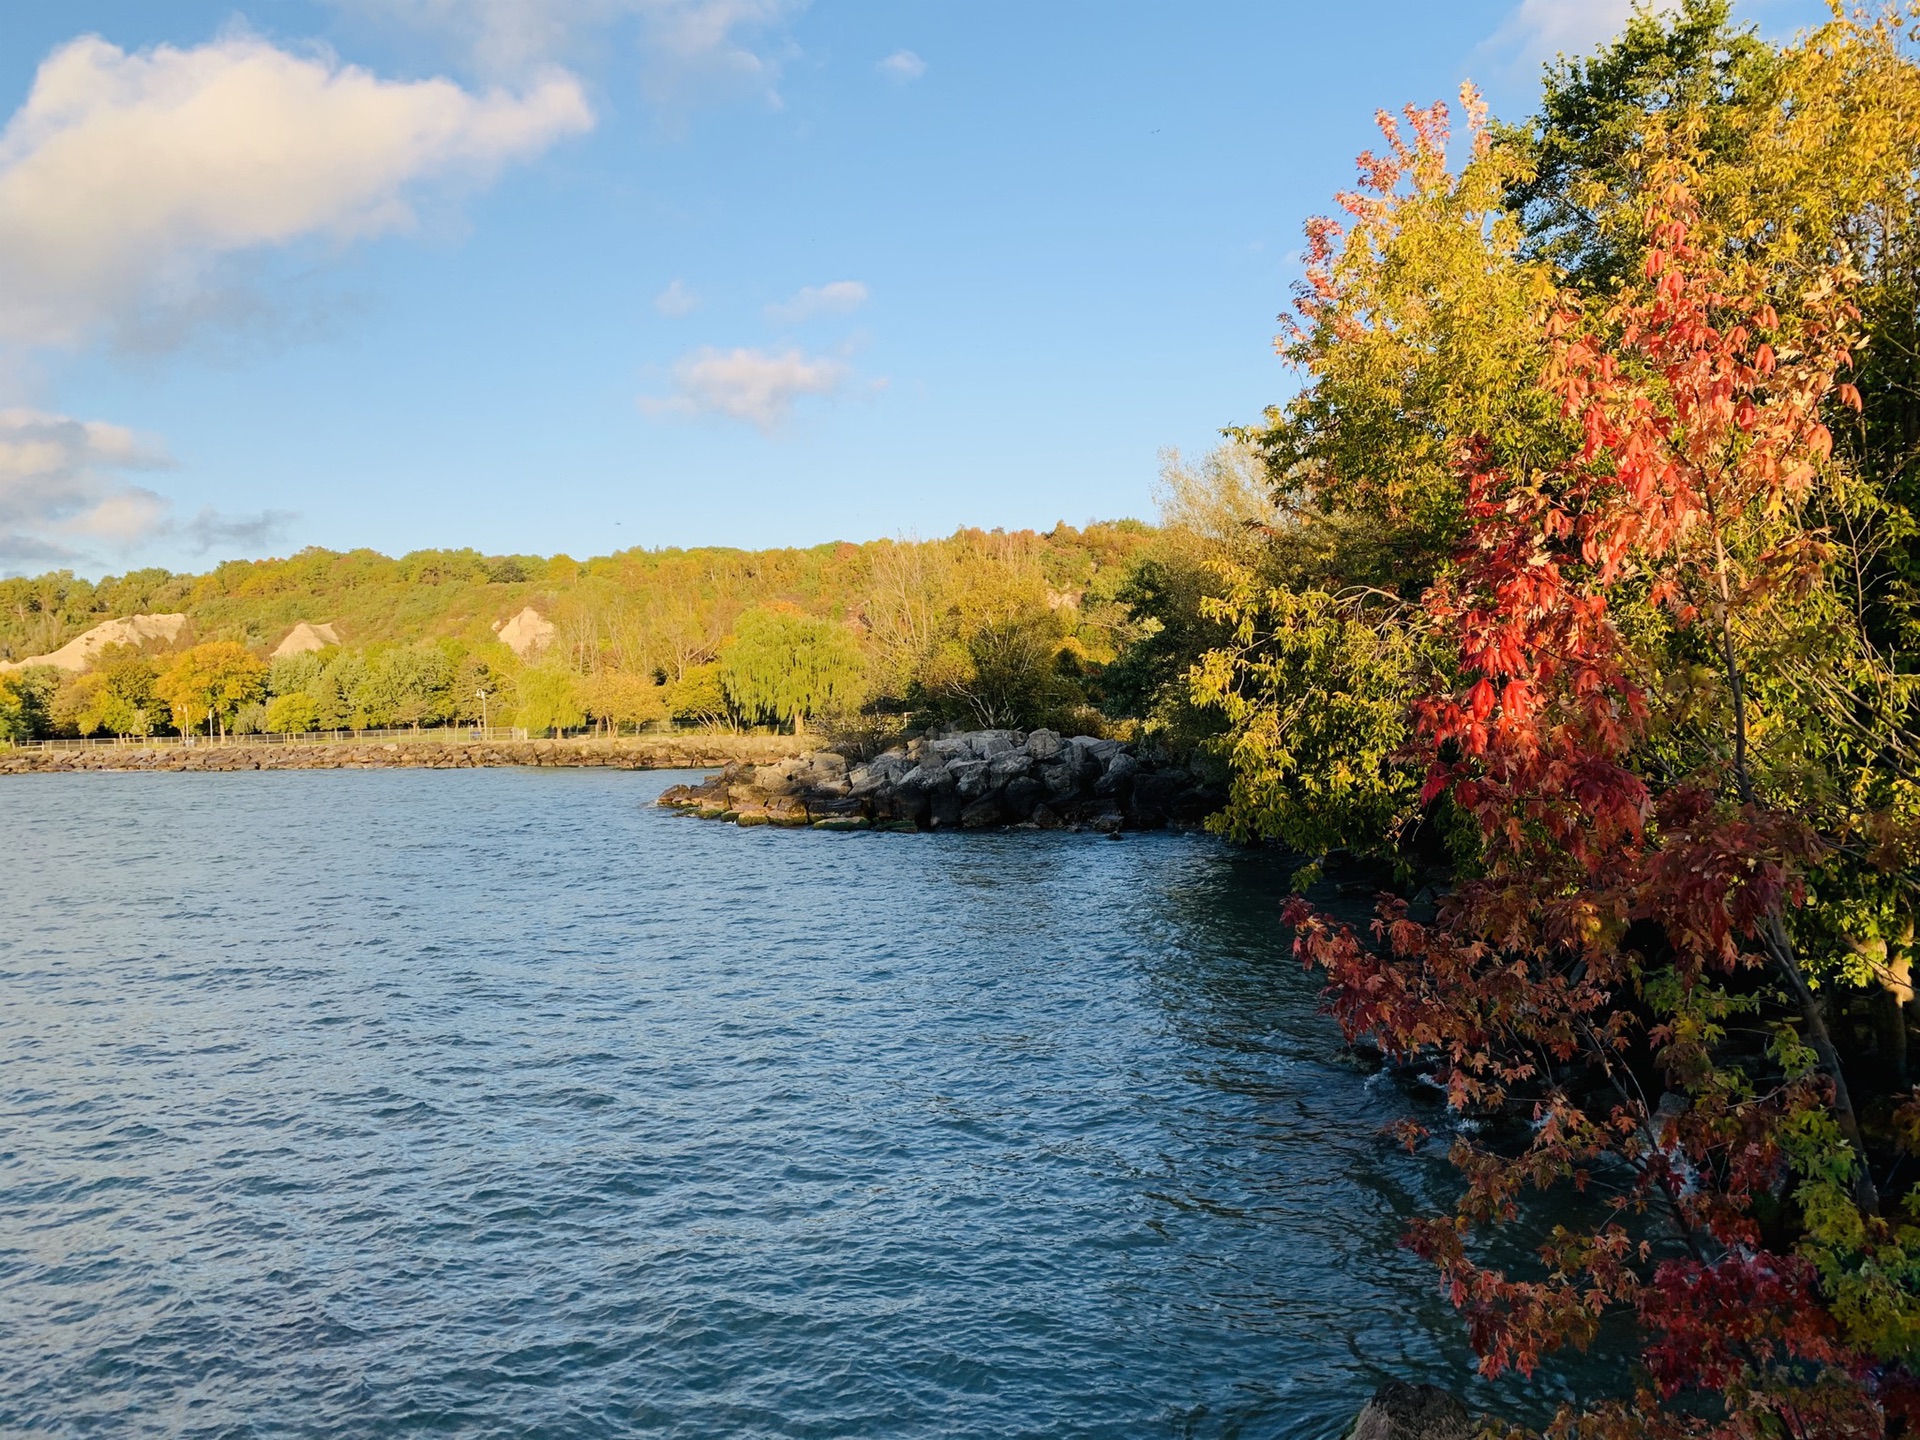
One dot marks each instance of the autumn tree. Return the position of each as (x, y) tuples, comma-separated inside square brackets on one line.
[(699, 697), (115, 695), (1417, 328), (1636, 688), (616, 698), (208, 684)]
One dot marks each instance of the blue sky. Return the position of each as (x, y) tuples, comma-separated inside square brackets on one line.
[(579, 275)]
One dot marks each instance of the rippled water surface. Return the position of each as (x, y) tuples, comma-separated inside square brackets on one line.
[(500, 1103)]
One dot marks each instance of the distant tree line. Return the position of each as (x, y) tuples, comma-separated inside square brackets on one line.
[(979, 628)]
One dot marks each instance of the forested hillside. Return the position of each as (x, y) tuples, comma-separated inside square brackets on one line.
[(984, 627)]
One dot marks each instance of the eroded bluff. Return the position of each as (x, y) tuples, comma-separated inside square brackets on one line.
[(982, 780)]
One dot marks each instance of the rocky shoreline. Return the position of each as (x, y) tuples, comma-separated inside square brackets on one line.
[(981, 780), (665, 752)]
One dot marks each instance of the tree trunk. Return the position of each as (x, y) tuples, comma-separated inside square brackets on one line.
[(1812, 1014)]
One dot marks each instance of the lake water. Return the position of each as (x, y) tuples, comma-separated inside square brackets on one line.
[(502, 1103)]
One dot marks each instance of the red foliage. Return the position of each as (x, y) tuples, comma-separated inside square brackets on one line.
[(1698, 413)]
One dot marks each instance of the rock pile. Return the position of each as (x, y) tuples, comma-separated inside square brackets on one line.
[(666, 752), (982, 780)]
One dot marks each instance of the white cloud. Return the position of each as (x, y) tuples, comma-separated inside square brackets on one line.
[(689, 49), (676, 300), (126, 179), (1538, 30), (749, 385), (65, 492), (902, 67), (63, 480), (839, 297)]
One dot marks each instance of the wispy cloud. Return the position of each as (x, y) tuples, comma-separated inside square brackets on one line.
[(63, 482), (689, 50), (902, 67), (66, 496), (210, 530), (127, 179), (749, 385), (839, 297), (676, 300), (1538, 30)]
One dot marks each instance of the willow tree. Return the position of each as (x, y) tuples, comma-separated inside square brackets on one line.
[(787, 667)]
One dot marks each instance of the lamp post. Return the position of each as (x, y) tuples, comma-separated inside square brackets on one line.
[(481, 696)]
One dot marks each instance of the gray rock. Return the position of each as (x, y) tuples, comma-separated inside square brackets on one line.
[(1099, 752), (1062, 777), (987, 778), (776, 779), (1399, 1411), (986, 744), (927, 778), (1119, 777), (1021, 795), (1009, 765), (1044, 745), (824, 767), (982, 814), (970, 777), (944, 808)]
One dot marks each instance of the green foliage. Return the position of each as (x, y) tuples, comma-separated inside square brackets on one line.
[(291, 713), (409, 685), (291, 674), (1315, 689), (549, 700), (699, 697), (618, 700), (1595, 513), (115, 696), (785, 667), (26, 703), (1577, 163)]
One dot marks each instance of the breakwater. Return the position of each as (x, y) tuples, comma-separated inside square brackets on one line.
[(982, 780), (664, 752)]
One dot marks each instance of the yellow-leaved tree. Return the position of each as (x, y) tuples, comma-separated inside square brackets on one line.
[(204, 687)]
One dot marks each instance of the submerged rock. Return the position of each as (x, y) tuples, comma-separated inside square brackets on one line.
[(982, 780), (1399, 1411)]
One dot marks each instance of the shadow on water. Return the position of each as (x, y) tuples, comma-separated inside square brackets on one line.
[(503, 1104)]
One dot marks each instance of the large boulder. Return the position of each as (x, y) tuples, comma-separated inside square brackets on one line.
[(982, 814), (1118, 779), (1021, 795), (1009, 765), (928, 777), (1044, 745), (970, 777), (985, 744), (1399, 1411)]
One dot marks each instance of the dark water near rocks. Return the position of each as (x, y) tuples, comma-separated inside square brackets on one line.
[(499, 1103)]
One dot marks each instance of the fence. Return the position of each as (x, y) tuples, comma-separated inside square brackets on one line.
[(428, 735), (438, 734)]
